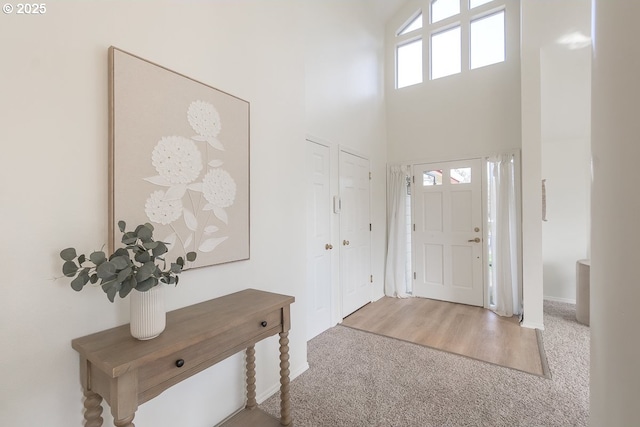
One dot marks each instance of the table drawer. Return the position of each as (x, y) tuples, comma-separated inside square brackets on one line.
[(167, 367)]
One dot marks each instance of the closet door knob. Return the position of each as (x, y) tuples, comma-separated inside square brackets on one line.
[(263, 323), (180, 363)]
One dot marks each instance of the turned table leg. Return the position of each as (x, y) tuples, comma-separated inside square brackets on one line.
[(125, 422), (92, 409), (251, 377), (285, 405)]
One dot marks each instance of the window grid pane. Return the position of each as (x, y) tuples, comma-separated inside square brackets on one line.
[(487, 40), (442, 9), (409, 57), (415, 24), (430, 178), (476, 3), (460, 175), (445, 53)]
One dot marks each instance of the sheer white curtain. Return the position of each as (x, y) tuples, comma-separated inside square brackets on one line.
[(396, 278), (503, 228)]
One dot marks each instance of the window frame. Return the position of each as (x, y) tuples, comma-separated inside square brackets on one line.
[(397, 60), (464, 20), (486, 14)]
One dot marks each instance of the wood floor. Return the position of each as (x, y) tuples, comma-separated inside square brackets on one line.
[(469, 331)]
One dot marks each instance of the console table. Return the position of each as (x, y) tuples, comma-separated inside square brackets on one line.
[(127, 372)]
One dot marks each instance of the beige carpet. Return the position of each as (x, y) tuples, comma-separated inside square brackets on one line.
[(359, 379), (456, 328)]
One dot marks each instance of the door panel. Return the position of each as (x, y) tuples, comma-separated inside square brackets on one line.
[(355, 240), (319, 264), (447, 237)]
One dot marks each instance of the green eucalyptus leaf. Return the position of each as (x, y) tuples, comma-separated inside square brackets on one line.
[(160, 249), (149, 226), (145, 272), (106, 270), (143, 257), (150, 245), (69, 268), (191, 256), (93, 278), (111, 293), (122, 225), (120, 252), (129, 238), (144, 233), (78, 283), (147, 284), (120, 262), (97, 257), (123, 274), (68, 254), (180, 261), (81, 259), (125, 289), (108, 284), (176, 268)]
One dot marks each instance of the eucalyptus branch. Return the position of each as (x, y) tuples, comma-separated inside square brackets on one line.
[(133, 266)]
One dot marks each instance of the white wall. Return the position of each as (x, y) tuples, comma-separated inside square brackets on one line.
[(53, 189), (543, 22), (566, 157), (472, 113), (615, 288)]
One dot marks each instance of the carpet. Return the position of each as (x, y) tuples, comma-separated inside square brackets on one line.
[(361, 379)]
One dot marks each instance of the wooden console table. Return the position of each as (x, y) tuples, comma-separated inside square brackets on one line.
[(126, 372)]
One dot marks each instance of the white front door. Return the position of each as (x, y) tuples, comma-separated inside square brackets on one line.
[(355, 233), (319, 245), (447, 237)]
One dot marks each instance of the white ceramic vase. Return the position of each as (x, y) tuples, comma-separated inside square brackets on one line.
[(148, 313)]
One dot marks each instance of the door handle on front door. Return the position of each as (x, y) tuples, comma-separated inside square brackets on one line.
[(328, 246), (476, 240)]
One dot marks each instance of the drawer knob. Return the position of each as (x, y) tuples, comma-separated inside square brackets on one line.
[(180, 363), (263, 323)]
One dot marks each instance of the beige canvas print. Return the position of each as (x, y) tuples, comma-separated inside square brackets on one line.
[(179, 159)]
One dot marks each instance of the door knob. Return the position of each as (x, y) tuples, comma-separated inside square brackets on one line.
[(476, 240), (328, 246), (345, 242)]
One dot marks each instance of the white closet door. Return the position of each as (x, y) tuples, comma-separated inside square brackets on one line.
[(319, 245), (355, 233)]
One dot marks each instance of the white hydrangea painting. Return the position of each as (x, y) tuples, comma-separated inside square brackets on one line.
[(180, 160)]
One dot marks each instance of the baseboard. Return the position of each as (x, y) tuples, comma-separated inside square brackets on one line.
[(556, 299), (532, 325), (276, 387)]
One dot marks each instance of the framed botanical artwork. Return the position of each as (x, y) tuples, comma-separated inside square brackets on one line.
[(179, 160)]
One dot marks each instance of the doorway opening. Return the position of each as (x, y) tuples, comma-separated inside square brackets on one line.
[(463, 232)]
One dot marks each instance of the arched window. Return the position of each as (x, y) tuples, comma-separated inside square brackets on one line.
[(454, 28)]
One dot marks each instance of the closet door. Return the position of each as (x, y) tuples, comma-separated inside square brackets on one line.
[(355, 232), (319, 245)]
